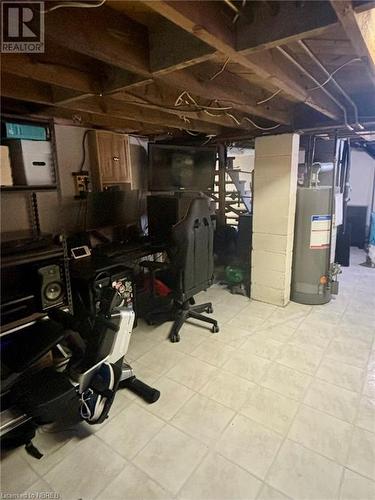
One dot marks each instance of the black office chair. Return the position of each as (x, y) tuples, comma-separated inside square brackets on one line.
[(192, 265)]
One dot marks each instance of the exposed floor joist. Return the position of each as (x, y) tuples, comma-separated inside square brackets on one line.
[(24, 90), (360, 29), (193, 66), (200, 20)]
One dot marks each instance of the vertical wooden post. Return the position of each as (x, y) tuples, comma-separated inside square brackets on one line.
[(222, 188)]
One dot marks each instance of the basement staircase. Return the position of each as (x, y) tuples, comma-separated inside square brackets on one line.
[(238, 199)]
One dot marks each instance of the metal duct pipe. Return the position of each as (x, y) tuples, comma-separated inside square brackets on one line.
[(305, 72), (339, 88)]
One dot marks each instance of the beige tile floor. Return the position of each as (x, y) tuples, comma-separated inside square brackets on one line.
[(280, 404)]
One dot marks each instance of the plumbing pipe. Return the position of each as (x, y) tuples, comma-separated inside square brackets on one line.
[(305, 72), (339, 88)]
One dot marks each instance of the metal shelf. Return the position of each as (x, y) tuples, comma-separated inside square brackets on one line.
[(50, 252), (27, 189)]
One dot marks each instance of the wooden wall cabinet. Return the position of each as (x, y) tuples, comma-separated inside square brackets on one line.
[(110, 159)]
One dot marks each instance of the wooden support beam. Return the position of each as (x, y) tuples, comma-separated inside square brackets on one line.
[(70, 78), (102, 34), (360, 29), (80, 85), (282, 23), (206, 30), (363, 5), (24, 90), (160, 101), (114, 107), (187, 52), (86, 119), (202, 20), (229, 90)]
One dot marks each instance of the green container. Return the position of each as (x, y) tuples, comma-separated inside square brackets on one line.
[(235, 275)]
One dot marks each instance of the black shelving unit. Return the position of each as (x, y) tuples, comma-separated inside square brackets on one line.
[(27, 189), (32, 196)]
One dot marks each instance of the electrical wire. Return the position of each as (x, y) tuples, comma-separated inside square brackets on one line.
[(191, 133), (83, 150), (220, 70), (209, 138), (74, 4), (237, 122), (258, 126), (334, 72), (180, 100), (270, 97)]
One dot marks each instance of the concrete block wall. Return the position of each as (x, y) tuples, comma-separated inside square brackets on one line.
[(275, 187)]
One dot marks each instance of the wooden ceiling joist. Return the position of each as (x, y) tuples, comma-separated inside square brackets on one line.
[(231, 89), (360, 29), (102, 34), (24, 90), (70, 78), (82, 118), (189, 65), (286, 23), (203, 21), (206, 33)]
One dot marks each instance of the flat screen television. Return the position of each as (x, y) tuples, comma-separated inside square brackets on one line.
[(181, 168)]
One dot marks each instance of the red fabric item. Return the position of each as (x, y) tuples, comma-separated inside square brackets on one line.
[(160, 288)]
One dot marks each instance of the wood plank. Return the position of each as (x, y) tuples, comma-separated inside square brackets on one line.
[(24, 90), (110, 106), (360, 29), (187, 52), (85, 119), (204, 19), (129, 51), (228, 90), (363, 5), (102, 34), (26, 66), (228, 87), (161, 100), (295, 83), (290, 21), (200, 20)]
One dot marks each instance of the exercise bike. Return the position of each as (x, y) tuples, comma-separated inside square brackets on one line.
[(84, 384)]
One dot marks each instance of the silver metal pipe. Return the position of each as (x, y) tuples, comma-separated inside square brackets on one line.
[(305, 72), (336, 84)]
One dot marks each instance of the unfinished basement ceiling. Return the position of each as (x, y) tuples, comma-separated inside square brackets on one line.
[(219, 68)]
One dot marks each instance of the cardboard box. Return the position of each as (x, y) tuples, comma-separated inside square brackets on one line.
[(6, 178)]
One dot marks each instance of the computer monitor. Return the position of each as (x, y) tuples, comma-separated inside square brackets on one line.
[(112, 209), (181, 168)]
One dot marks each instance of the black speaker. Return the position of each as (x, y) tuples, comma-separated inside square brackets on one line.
[(51, 286)]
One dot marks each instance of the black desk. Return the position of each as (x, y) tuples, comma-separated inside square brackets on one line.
[(121, 252), (91, 274)]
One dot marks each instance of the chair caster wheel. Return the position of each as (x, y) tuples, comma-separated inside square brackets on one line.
[(215, 329), (209, 310), (175, 338)]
